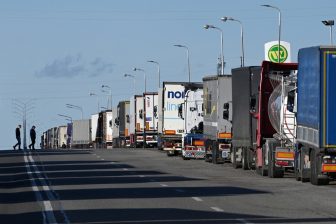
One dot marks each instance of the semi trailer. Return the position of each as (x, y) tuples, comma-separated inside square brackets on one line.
[(217, 117), (171, 125), (245, 83), (315, 158), (136, 121), (151, 118), (81, 136), (276, 122), (123, 122)]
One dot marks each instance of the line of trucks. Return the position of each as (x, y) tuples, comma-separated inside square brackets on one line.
[(273, 118)]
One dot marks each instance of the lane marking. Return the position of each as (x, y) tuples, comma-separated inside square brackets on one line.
[(112, 162), (102, 159), (217, 209), (197, 198), (244, 221), (125, 169), (47, 209), (141, 176), (152, 180), (164, 185), (180, 190)]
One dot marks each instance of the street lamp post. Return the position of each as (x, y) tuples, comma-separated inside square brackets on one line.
[(75, 107), (140, 69), (329, 23), (144, 103), (66, 116), (158, 65), (132, 77), (23, 109), (183, 46), (222, 50), (93, 94), (109, 92), (279, 11), (242, 58)]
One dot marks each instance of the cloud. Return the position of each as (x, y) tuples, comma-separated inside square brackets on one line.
[(74, 65)]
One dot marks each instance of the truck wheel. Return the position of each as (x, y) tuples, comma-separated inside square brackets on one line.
[(297, 172), (214, 153), (273, 171), (245, 159), (235, 164), (314, 173)]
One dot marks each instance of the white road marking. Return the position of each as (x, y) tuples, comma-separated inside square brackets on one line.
[(47, 206), (197, 198), (102, 159), (244, 221), (142, 176), (217, 209), (180, 190), (125, 169), (164, 185), (112, 162)]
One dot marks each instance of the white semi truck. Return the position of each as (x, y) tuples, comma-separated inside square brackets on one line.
[(171, 126)]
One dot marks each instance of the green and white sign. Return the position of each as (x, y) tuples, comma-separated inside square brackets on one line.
[(272, 51)]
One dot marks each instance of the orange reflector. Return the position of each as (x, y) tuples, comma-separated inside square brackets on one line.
[(126, 132), (224, 135), (285, 155), (199, 142), (170, 132), (328, 167)]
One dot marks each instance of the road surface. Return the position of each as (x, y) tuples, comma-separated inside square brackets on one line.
[(146, 186)]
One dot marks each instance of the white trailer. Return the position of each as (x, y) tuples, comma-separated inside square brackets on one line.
[(62, 136), (137, 121), (94, 129), (171, 125), (151, 106)]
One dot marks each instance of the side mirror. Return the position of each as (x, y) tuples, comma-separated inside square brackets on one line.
[(140, 114), (180, 111), (226, 112), (253, 102), (116, 121), (155, 111), (291, 107)]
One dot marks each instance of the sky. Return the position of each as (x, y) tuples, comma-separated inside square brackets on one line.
[(54, 53)]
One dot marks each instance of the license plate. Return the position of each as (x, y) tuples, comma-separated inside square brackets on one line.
[(225, 154)]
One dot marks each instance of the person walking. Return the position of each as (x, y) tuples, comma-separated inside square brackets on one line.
[(33, 138), (18, 137)]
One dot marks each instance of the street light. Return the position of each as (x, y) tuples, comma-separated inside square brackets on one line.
[(183, 46), (109, 92), (155, 62), (276, 8), (242, 58), (67, 117), (75, 107), (132, 77), (222, 51), (329, 23), (140, 69), (93, 94)]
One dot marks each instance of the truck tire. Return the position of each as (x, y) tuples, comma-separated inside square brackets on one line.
[(214, 153), (314, 169), (304, 172), (263, 170), (235, 164), (245, 159), (273, 171), (297, 172)]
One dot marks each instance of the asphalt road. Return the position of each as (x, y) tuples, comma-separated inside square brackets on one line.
[(146, 186)]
